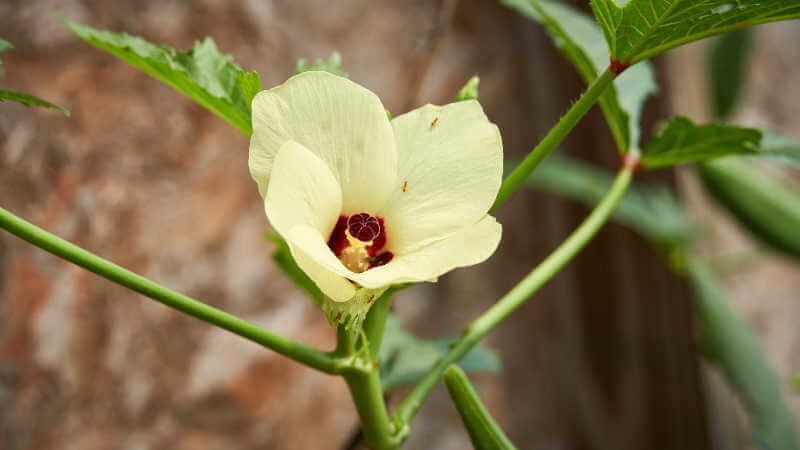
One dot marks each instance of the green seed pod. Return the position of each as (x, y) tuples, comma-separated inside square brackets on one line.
[(763, 203)]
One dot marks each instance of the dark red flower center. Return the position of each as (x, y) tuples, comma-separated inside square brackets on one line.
[(365, 228)]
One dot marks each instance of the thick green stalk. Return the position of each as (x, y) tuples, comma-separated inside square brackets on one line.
[(483, 431), (364, 381), (554, 136), (376, 322), (49, 242), (517, 296)]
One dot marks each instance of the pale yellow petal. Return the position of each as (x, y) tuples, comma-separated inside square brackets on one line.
[(344, 124), (450, 169)]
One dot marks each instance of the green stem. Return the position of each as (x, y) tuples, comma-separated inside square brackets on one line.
[(554, 137), (345, 342), (363, 379), (51, 243), (376, 322), (517, 296)]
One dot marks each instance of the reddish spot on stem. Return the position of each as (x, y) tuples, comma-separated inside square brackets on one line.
[(631, 161), (618, 66), (370, 299), (338, 316)]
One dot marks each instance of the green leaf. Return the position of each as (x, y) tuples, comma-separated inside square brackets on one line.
[(730, 343), (683, 142), (283, 258), (764, 203), (483, 430), (727, 59), (581, 41), (404, 358), (641, 29), (332, 65), (470, 90), (203, 73), (250, 85), (29, 100), (650, 210), (19, 97)]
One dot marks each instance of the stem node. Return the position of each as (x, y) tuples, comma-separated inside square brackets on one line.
[(618, 66)]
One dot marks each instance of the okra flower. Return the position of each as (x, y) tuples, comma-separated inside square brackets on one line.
[(365, 203)]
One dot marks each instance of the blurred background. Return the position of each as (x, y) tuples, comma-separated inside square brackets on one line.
[(603, 357)]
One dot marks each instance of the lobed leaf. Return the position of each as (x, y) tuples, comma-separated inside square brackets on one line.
[(640, 29), (682, 142), (405, 358), (202, 73), (580, 40)]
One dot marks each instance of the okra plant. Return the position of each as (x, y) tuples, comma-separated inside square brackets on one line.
[(363, 204)]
